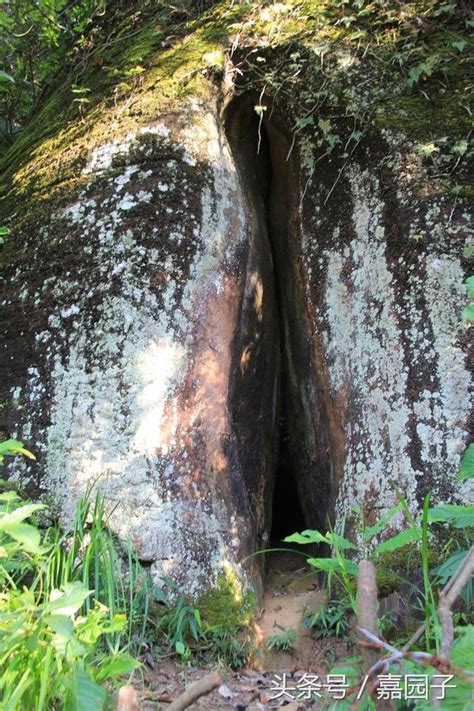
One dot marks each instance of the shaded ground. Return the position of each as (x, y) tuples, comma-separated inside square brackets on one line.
[(291, 594)]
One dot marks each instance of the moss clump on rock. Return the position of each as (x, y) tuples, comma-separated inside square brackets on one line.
[(226, 606)]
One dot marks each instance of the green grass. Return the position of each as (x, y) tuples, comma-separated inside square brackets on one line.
[(68, 619)]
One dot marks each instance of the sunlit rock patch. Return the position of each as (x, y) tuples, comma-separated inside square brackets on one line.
[(136, 340)]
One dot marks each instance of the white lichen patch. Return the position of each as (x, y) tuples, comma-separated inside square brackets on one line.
[(122, 349), (365, 348), (397, 437)]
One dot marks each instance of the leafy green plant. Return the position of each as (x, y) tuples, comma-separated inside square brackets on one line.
[(179, 621), (444, 572), (35, 38), (12, 447), (226, 648), (331, 620), (282, 642), (51, 656), (340, 568), (344, 570), (87, 553)]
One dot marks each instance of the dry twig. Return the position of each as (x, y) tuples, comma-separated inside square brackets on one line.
[(193, 692)]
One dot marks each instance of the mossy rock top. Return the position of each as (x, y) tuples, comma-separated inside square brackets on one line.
[(403, 69)]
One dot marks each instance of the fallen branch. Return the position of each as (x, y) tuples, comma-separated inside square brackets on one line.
[(394, 655), (193, 692)]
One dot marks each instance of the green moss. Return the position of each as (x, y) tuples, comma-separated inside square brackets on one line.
[(226, 607), (47, 160), (143, 72), (422, 117)]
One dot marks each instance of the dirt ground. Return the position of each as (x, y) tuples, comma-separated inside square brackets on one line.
[(273, 679)]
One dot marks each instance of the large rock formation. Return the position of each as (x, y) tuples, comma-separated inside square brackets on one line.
[(183, 270)]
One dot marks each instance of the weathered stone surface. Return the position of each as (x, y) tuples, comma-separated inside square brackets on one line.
[(370, 283), (171, 288), (154, 314), (385, 294)]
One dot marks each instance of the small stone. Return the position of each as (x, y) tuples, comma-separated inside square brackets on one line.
[(225, 691)]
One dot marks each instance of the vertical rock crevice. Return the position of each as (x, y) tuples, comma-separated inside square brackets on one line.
[(296, 428)]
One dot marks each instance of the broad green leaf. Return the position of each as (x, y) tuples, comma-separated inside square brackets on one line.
[(337, 541), (457, 515), (447, 570), (69, 601), (116, 624), (64, 639), (468, 313), (334, 565), (62, 625), (427, 149), (20, 514), (86, 694), (307, 536), (371, 531), (467, 464), (398, 541), (180, 648), (11, 447), (4, 77), (113, 666), (25, 534), (97, 623), (462, 653), (9, 496)]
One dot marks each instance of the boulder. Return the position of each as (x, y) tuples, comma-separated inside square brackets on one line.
[(246, 239)]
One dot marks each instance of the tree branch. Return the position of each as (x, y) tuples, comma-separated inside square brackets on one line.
[(193, 692)]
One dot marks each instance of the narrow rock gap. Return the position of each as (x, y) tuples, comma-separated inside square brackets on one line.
[(299, 465), (287, 513)]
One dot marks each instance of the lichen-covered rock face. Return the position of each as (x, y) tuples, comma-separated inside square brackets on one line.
[(385, 293), (370, 290), (153, 295), (181, 267)]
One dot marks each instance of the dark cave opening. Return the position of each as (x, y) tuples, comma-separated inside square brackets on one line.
[(287, 514)]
